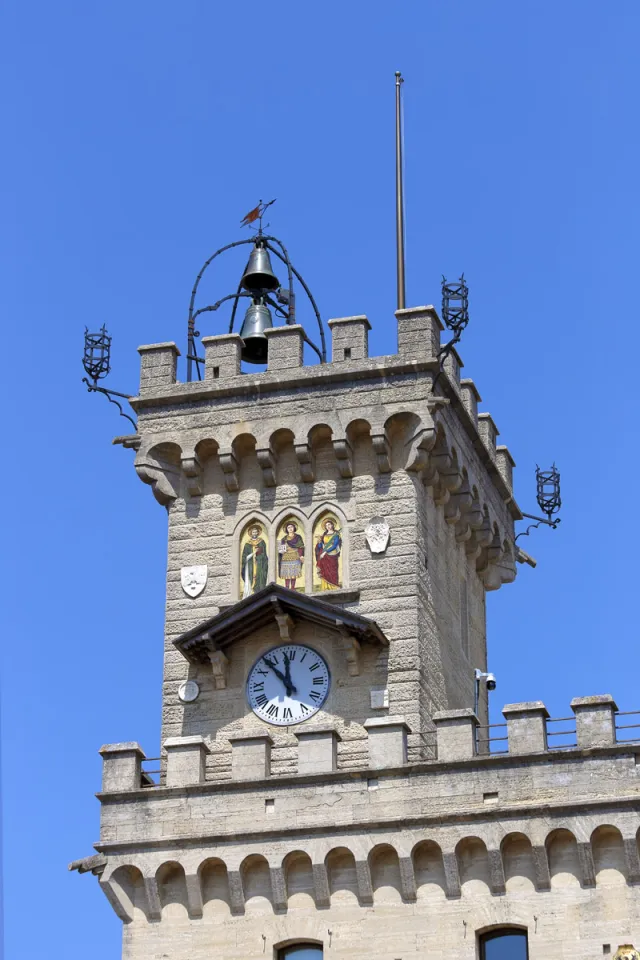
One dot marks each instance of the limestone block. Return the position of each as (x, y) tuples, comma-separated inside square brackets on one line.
[(285, 345), (452, 366), (595, 720), (317, 751), (251, 757), (456, 734), (470, 398), (222, 356), (488, 432), (418, 333), (387, 741), (349, 338), (526, 726), (505, 464), (158, 365), (121, 766), (186, 760)]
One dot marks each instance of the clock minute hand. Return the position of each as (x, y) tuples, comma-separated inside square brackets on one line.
[(277, 672)]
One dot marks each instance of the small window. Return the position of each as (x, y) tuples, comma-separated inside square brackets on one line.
[(505, 944), (301, 951), (347, 353)]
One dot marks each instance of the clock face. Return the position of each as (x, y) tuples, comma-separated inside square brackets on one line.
[(288, 684)]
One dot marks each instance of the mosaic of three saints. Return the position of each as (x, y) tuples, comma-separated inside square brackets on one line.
[(291, 548)]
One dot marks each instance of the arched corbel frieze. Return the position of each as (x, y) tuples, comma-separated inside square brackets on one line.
[(160, 471)]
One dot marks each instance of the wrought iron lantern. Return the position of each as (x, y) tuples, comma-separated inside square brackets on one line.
[(455, 315), (97, 354), (96, 361), (548, 484), (455, 305), (549, 500)]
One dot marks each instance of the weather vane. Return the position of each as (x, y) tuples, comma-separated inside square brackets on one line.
[(256, 214), (96, 361)]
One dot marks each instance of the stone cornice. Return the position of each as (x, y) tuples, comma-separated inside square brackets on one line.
[(484, 814)]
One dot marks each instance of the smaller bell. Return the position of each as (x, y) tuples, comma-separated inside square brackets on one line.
[(257, 319), (258, 274)]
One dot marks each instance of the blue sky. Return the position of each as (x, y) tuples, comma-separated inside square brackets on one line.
[(136, 135)]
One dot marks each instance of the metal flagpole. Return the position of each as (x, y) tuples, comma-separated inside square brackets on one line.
[(399, 195)]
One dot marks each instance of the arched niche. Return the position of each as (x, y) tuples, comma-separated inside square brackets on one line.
[(385, 874), (343, 879), (517, 858), (256, 884), (473, 865), (564, 865), (172, 890), (214, 883), (298, 873), (428, 866), (129, 883), (608, 856)]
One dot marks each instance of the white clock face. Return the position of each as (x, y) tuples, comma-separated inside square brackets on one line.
[(288, 684)]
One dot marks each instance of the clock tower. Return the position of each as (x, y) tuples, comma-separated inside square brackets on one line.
[(327, 780)]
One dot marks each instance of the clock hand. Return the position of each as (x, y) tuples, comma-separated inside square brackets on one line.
[(287, 665), (277, 672)]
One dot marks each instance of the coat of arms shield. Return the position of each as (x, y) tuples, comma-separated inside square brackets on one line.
[(377, 534), (194, 579)]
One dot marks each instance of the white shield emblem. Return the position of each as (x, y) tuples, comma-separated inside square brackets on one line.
[(377, 534), (193, 579)]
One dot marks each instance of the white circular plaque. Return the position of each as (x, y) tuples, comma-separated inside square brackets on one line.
[(188, 691)]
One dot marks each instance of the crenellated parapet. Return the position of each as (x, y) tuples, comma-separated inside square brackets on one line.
[(331, 423), (529, 813)]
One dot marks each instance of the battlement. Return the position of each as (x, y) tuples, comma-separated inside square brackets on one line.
[(530, 811), (379, 388), (457, 738)]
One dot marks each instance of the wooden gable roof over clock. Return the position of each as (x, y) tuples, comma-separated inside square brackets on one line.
[(207, 642)]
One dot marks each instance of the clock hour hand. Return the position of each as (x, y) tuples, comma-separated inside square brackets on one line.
[(287, 666)]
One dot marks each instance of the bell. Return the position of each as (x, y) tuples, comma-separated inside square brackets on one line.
[(257, 319), (258, 274)]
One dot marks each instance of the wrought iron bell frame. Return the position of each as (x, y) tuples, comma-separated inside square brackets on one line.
[(290, 315)]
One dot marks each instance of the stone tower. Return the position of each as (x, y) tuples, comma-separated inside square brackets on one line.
[(326, 786)]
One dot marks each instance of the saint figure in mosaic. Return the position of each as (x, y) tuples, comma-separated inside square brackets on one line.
[(254, 568), (328, 550), (290, 555)]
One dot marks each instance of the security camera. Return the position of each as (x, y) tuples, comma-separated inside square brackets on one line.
[(489, 679)]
